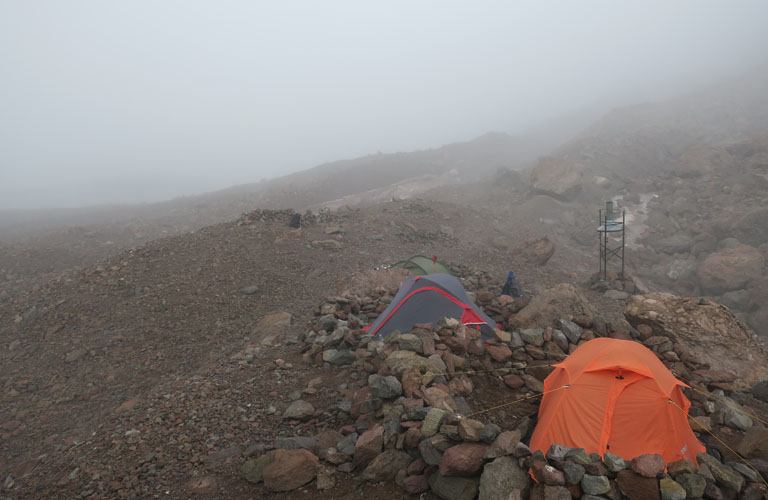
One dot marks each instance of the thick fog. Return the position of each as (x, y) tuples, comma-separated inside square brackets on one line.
[(114, 102)]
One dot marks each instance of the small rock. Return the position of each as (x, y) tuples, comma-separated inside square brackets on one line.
[(299, 410), (385, 387), (252, 470), (595, 485), (453, 488), (470, 430), (290, 469), (648, 465), (432, 421), (670, 490), (386, 465), (463, 460), (368, 446), (501, 478)]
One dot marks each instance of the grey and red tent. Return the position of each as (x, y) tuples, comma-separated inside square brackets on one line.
[(426, 299)]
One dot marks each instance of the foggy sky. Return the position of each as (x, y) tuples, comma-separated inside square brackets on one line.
[(107, 102)]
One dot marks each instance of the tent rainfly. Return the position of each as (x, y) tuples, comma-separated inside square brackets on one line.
[(426, 299), (420, 266), (615, 396)]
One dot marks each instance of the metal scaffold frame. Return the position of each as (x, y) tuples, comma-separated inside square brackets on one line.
[(609, 225)]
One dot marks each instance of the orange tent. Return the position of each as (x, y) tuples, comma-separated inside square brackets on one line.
[(616, 396)]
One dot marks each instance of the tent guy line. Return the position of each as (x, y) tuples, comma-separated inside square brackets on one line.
[(704, 428)]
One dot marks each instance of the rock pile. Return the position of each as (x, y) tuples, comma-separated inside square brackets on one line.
[(407, 414)]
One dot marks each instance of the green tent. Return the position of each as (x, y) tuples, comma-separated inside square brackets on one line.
[(420, 265)]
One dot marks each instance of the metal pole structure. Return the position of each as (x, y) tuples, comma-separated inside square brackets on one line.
[(608, 224), (623, 229)]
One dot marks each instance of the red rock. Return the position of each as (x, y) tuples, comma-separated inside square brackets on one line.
[(412, 437), (513, 381), (476, 348), (547, 334), (412, 402), (546, 474), (290, 469), (470, 430), (411, 382), (413, 485), (428, 345), (416, 467), (500, 354), (439, 399), (368, 446), (463, 460), (574, 490), (457, 345), (411, 424), (461, 386), (636, 487), (359, 399), (595, 469), (648, 465)]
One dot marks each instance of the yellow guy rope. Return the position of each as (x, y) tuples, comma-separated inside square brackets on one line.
[(514, 402), (721, 442), (722, 401)]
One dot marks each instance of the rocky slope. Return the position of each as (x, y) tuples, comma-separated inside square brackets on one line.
[(182, 367)]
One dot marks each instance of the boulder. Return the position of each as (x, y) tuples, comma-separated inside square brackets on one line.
[(692, 483), (463, 460), (637, 487), (253, 470), (513, 381), (730, 269), (432, 421), (386, 465), (413, 485), (410, 342), (368, 446), (671, 490), (500, 353), (400, 362), (453, 488), (536, 252), (290, 469), (708, 331), (503, 477), (545, 473), (724, 475), (751, 228), (677, 243), (470, 430), (438, 398), (754, 444), (557, 178), (595, 485), (385, 387), (432, 448), (504, 444), (552, 304), (573, 473), (648, 465)]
